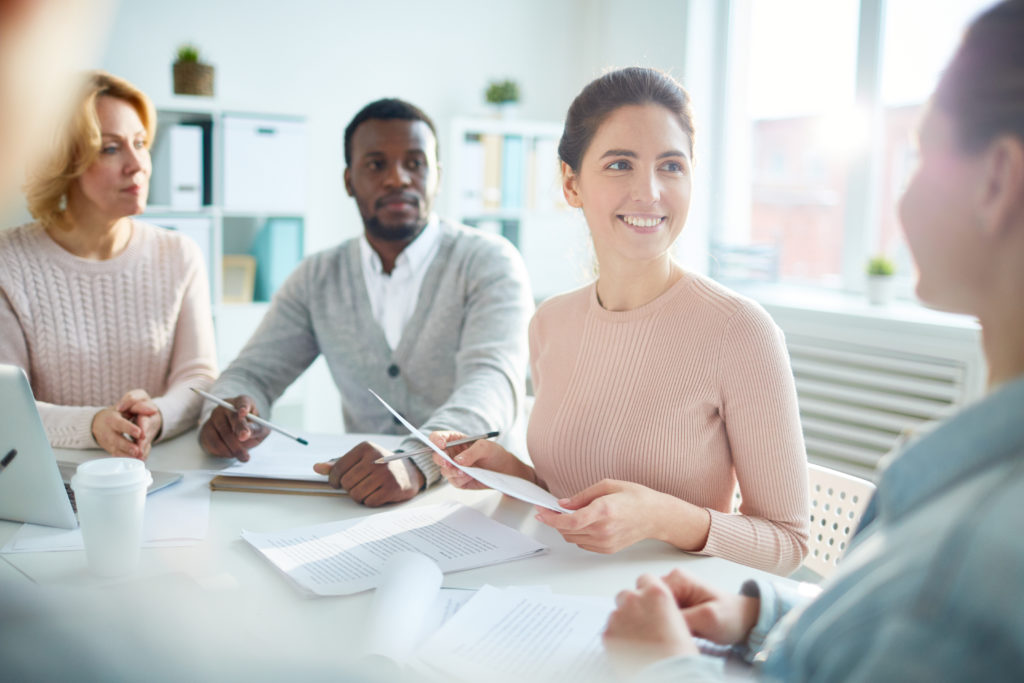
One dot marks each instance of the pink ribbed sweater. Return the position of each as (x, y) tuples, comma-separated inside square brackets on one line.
[(86, 331), (687, 395)]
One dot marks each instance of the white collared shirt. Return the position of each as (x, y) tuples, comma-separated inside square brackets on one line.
[(393, 297)]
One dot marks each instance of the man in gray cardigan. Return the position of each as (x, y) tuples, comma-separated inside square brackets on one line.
[(430, 315)]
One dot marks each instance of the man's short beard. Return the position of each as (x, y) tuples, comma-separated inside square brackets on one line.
[(394, 233)]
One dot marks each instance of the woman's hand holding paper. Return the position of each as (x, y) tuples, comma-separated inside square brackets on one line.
[(484, 454), (613, 514)]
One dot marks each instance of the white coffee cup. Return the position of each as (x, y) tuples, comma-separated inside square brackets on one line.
[(111, 497)]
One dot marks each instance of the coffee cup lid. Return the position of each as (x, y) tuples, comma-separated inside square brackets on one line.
[(111, 473)]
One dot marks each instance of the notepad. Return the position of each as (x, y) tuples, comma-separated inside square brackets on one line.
[(280, 465), (345, 557), (268, 485)]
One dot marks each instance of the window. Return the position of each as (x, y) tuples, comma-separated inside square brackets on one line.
[(820, 103)]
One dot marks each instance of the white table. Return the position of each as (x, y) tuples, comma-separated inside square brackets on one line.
[(223, 566)]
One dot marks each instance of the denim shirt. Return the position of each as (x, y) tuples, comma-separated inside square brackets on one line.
[(932, 586)]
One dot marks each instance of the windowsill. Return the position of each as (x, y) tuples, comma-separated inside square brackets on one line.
[(855, 309)]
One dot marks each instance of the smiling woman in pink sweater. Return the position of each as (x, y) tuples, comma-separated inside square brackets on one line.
[(109, 317), (657, 389)]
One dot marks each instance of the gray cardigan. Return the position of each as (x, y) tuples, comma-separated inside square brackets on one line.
[(461, 361)]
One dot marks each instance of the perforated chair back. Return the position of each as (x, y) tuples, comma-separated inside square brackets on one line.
[(837, 502)]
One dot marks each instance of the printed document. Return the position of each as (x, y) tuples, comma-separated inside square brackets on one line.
[(344, 557), (515, 635), (517, 487)]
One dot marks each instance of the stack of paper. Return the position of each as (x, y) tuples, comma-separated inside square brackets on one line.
[(344, 557)]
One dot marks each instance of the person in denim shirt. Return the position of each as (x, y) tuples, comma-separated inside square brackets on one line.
[(932, 586)]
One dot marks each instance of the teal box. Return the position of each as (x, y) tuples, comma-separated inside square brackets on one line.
[(277, 250)]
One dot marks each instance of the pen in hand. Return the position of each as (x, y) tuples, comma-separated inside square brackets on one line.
[(399, 455), (252, 418)]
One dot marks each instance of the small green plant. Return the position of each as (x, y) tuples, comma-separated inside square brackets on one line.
[(501, 92), (880, 265), (188, 52)]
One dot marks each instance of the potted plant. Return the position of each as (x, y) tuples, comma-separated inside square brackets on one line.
[(880, 271), (503, 94), (192, 76)]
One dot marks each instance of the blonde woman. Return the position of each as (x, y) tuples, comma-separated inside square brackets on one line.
[(109, 317)]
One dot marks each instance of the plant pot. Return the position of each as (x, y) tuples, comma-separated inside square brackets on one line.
[(880, 289), (504, 110), (193, 78)]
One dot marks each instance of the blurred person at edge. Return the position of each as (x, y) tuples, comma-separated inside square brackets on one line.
[(36, 81)]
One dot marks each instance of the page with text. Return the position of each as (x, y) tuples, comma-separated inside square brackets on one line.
[(344, 557)]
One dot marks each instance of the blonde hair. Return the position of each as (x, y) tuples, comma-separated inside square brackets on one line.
[(77, 145)]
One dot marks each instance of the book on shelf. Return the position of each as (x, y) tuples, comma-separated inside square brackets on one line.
[(178, 165), (471, 198), (277, 250), (492, 171), (546, 190), (512, 172)]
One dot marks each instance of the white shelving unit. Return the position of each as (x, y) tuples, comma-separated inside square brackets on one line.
[(251, 203), (505, 178)]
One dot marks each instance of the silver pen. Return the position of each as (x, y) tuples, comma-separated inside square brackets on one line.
[(398, 455), (253, 418)]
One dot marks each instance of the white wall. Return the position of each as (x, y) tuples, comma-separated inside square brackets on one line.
[(325, 59)]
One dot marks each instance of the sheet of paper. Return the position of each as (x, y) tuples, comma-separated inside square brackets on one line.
[(176, 515), (279, 457), (522, 636), (410, 605), (450, 600), (346, 556), (517, 487), (409, 587)]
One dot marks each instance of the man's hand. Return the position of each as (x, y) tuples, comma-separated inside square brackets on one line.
[(228, 434), (370, 483)]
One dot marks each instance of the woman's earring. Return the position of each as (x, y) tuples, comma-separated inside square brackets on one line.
[(62, 203)]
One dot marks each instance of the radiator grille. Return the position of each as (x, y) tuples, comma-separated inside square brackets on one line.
[(857, 399)]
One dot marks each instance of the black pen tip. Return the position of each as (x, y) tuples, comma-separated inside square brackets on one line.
[(303, 442)]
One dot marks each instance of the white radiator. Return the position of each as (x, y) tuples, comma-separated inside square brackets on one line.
[(866, 376)]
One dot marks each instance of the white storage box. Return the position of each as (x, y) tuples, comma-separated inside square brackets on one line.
[(264, 165)]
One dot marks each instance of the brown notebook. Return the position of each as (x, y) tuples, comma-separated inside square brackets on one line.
[(261, 485)]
